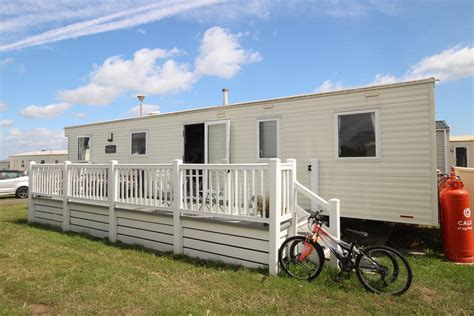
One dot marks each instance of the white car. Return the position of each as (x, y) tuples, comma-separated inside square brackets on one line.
[(14, 182)]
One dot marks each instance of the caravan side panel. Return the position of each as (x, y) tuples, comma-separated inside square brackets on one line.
[(399, 186)]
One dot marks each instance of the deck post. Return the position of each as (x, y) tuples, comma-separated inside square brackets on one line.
[(66, 193), (274, 173), (293, 229), (314, 182), (334, 209), (31, 210), (177, 206), (112, 196)]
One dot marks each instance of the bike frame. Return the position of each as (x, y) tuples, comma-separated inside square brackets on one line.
[(330, 241)]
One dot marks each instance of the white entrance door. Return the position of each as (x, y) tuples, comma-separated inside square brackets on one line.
[(217, 142)]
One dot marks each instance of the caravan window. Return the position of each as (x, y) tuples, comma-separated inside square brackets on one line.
[(138, 146), (357, 134), (267, 135), (83, 148), (461, 156)]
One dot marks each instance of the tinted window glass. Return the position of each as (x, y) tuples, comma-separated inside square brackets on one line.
[(461, 156), (83, 148), (139, 143), (268, 139), (357, 135)]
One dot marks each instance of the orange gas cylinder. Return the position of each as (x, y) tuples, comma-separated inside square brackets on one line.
[(456, 221)]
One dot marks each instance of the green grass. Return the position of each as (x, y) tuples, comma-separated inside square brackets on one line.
[(75, 274)]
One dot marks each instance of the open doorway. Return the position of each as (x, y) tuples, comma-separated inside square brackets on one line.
[(194, 143), (207, 142)]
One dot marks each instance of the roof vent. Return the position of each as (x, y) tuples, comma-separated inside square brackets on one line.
[(225, 94)]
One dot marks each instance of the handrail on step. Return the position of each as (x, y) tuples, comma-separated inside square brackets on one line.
[(310, 194)]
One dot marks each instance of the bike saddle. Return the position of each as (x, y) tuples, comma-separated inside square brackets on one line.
[(356, 233)]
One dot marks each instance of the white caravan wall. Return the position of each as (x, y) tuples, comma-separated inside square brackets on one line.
[(401, 183)]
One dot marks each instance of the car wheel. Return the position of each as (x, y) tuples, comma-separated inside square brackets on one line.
[(22, 192)]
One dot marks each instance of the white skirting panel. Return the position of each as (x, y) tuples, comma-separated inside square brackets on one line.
[(233, 242), (150, 230), (90, 219), (244, 244), (48, 212)]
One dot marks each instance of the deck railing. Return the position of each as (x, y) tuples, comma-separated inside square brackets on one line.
[(148, 185), (262, 192), (47, 180), (237, 190), (87, 182)]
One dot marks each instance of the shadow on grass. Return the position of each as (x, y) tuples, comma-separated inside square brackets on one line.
[(208, 264)]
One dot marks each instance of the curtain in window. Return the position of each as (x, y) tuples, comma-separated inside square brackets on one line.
[(372, 119), (83, 149)]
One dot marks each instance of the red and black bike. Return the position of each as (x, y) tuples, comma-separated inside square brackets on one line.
[(380, 269)]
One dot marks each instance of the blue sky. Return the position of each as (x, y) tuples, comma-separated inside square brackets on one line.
[(72, 62)]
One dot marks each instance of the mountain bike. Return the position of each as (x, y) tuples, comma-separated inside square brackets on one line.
[(380, 269)]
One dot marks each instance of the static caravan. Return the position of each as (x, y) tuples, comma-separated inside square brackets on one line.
[(461, 151), (374, 148), (4, 164), (20, 161)]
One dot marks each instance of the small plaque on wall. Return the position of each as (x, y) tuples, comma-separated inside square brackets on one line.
[(110, 149)]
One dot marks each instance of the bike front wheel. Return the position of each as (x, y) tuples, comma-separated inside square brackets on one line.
[(290, 259), (382, 269)]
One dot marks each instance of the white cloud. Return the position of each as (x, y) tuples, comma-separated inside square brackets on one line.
[(233, 10), (130, 16), (50, 110), (142, 74), (328, 86), (221, 54), (3, 107), (452, 64), (384, 79), (18, 140), (7, 61), (31, 22), (147, 109), (79, 115), (153, 71), (91, 94), (6, 123), (351, 9), (225, 11)]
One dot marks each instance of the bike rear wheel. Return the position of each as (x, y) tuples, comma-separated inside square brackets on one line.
[(382, 269), (289, 258)]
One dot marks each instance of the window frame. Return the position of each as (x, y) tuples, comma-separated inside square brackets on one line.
[(467, 156), (206, 138), (146, 143), (90, 147), (378, 143), (277, 119)]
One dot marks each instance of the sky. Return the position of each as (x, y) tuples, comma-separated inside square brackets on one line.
[(65, 62)]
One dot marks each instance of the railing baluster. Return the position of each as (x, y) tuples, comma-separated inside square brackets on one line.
[(253, 195), (161, 188), (245, 193), (236, 193), (145, 184), (262, 193)]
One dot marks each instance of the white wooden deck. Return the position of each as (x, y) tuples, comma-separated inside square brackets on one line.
[(235, 213)]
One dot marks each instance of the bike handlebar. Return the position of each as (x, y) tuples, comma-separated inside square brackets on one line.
[(315, 215)]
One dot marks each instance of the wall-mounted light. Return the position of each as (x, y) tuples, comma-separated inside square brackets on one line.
[(111, 137), (451, 149)]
